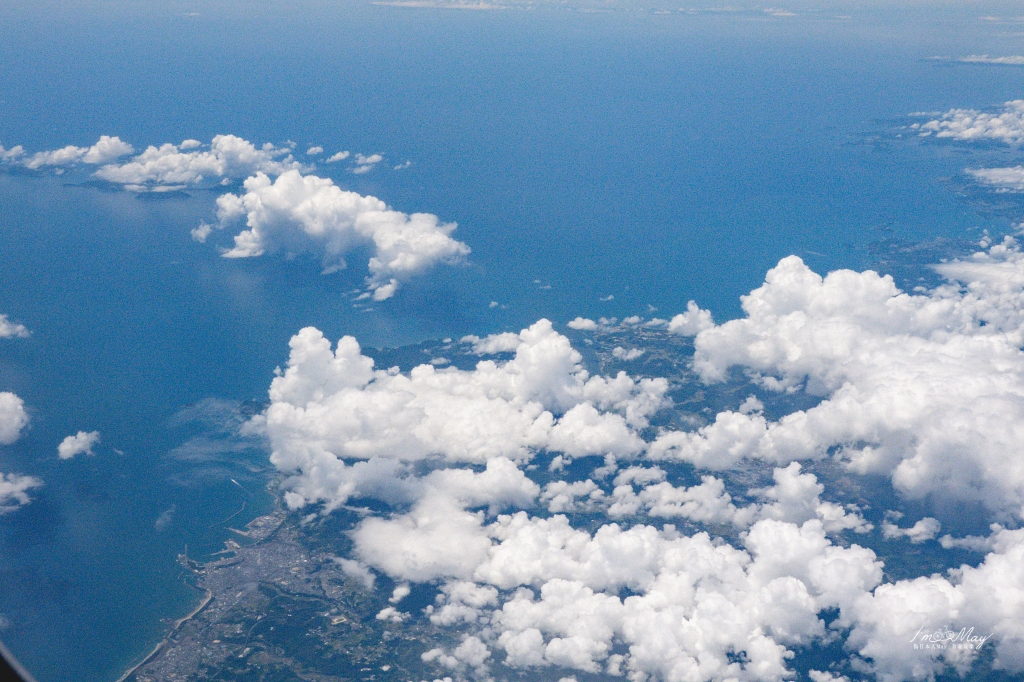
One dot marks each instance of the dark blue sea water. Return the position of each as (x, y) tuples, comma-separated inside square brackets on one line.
[(653, 158)]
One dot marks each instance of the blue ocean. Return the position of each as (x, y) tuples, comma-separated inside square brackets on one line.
[(607, 163)]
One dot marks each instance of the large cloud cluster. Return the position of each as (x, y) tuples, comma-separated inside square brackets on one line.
[(330, 406), (925, 388), (970, 124), (297, 213)]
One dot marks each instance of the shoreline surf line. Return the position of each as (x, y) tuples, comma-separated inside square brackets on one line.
[(160, 645)]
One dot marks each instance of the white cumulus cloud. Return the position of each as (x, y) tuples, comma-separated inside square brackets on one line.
[(365, 164), (621, 353), (169, 165), (926, 388), (582, 324), (970, 124), (105, 150), (1009, 179), (922, 531), (297, 213), (493, 344), (13, 417), (12, 330), (81, 443), (14, 491), (331, 406)]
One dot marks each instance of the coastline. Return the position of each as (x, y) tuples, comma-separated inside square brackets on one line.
[(252, 532), (207, 598)]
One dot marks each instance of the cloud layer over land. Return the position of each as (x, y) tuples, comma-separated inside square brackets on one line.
[(925, 388)]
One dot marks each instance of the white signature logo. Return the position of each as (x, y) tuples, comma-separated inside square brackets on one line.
[(944, 638)]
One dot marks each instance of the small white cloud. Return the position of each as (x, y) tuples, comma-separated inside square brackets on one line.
[(392, 615), (971, 543), (399, 593), (13, 417), (582, 324), (105, 150), (621, 353), (12, 330), (201, 233), (358, 571), (495, 343), (313, 151), (14, 491), (403, 165), (79, 444), (922, 531), (365, 164), (609, 297), (821, 676), (493, 304), (12, 154), (751, 405), (692, 322), (340, 156)]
